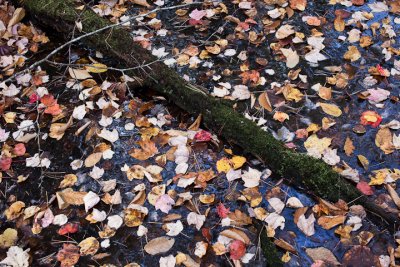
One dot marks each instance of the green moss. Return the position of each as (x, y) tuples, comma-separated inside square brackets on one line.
[(306, 172)]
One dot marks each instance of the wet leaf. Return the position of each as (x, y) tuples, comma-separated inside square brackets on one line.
[(360, 256), (69, 255), (89, 246), (8, 238), (322, 254), (348, 146), (159, 245), (331, 109), (237, 249), (365, 188), (384, 140)]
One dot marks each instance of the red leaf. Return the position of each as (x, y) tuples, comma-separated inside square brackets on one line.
[(202, 136), (206, 233), (5, 164), (222, 211), (380, 70), (237, 249), (370, 117), (195, 22), (19, 149), (365, 188), (33, 98), (68, 228)]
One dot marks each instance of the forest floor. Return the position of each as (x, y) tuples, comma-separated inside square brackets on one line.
[(94, 172)]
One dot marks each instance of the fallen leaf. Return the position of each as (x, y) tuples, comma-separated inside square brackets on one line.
[(8, 238), (69, 255), (237, 249), (330, 109), (384, 140), (352, 54), (365, 188), (16, 257), (322, 254), (348, 146), (370, 118), (89, 246), (159, 245)]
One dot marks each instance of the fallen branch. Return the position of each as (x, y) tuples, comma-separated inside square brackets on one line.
[(309, 173)]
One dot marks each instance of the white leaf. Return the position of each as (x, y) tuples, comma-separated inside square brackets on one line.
[(294, 202), (79, 112), (174, 228), (241, 92), (98, 215), (196, 219), (275, 220), (96, 172), (277, 204), (115, 221), (16, 257), (306, 225), (201, 249), (60, 219), (110, 136), (142, 230), (168, 261), (251, 178), (90, 200), (292, 58)]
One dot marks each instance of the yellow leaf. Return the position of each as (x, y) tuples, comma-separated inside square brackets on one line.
[(96, 68), (8, 238), (207, 199), (331, 109), (89, 246), (69, 180), (364, 161), (224, 165), (286, 257), (378, 179), (238, 161), (291, 93), (315, 145)]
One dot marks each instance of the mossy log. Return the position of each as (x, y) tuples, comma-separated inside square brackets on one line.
[(309, 173)]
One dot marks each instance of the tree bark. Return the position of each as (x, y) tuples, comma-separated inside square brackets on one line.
[(306, 172)]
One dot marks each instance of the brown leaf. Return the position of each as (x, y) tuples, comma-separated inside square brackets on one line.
[(358, 2), (140, 3), (348, 146), (322, 254), (384, 140), (298, 4), (148, 149), (159, 245), (236, 234), (239, 218), (339, 24), (328, 222), (93, 159), (263, 100), (360, 256), (68, 255)]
